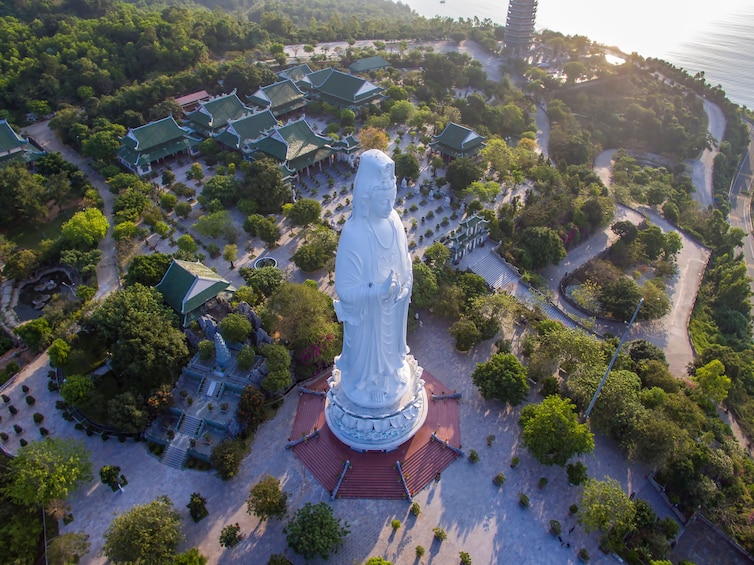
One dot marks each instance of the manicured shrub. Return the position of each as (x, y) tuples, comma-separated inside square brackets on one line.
[(52, 386), (515, 461), (22, 442), (499, 479), (30, 400), (3, 436), (6, 398), (38, 417), (473, 456), (25, 389), (490, 439), (44, 432), (419, 551), (439, 534), (61, 404), (13, 410), (395, 524), (573, 508), (416, 509), (576, 473), (542, 483), (555, 527), (523, 500), (18, 429), (79, 426), (465, 558)]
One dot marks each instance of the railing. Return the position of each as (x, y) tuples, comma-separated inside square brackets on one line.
[(346, 466), (403, 480)]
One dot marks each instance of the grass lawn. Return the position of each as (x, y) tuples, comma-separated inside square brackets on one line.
[(28, 235)]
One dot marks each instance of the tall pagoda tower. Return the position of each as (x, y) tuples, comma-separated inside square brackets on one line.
[(519, 27)]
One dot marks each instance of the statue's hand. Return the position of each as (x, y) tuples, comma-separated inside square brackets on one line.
[(403, 293), (389, 288)]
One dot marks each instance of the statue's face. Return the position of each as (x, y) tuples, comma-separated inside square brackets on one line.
[(382, 201)]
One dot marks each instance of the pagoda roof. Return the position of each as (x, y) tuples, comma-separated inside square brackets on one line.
[(368, 64), (186, 285), (296, 144), (296, 73), (155, 140), (458, 140), (192, 98), (280, 97), (217, 112), (14, 146), (344, 89), (249, 127)]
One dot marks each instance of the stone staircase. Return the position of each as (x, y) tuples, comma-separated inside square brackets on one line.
[(495, 271), (174, 456), (211, 388), (190, 425)]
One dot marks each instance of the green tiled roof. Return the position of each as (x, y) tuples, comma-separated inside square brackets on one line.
[(316, 78), (280, 97), (368, 64), (10, 141), (186, 286), (217, 112), (343, 89), (153, 134), (249, 127), (348, 144), (458, 140), (296, 73), (297, 144)]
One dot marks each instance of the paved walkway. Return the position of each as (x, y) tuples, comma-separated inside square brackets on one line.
[(479, 518)]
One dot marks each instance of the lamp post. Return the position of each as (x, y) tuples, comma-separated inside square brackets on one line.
[(612, 361)]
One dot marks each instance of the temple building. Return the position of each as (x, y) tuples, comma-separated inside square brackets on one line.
[(240, 134), (14, 147), (295, 145), (368, 64), (153, 142), (519, 26), (187, 286), (341, 89), (457, 141), (470, 234), (211, 117), (281, 98)]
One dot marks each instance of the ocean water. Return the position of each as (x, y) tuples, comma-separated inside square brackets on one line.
[(694, 34)]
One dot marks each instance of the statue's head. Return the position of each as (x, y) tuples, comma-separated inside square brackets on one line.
[(374, 189)]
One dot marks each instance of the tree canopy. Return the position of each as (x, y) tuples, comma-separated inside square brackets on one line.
[(46, 470), (267, 499), (552, 432), (85, 229), (147, 533), (604, 505), (502, 378), (314, 531)]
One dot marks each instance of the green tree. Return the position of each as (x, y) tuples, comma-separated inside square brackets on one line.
[(406, 166), (45, 470), (36, 334), (147, 533), (85, 228), (264, 280), (574, 70), (77, 389), (319, 247), (127, 412), (483, 191), (213, 225), (605, 506), (246, 357), (305, 211), (20, 264), (462, 172), (497, 153), (712, 380), (539, 247), (267, 499), (314, 531), (58, 352), (230, 536), (278, 365), (502, 378), (110, 475), (263, 181), (141, 332), (148, 270), (235, 328), (226, 458), (373, 138), (67, 548), (425, 285), (552, 432), (190, 557), (230, 253), (103, 144), (222, 188), (620, 297), (250, 410)]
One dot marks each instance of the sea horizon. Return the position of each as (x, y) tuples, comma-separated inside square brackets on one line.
[(719, 41)]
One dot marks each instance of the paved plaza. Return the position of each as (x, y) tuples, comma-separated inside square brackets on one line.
[(478, 517)]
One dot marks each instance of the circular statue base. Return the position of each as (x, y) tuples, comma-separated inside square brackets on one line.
[(377, 429)]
